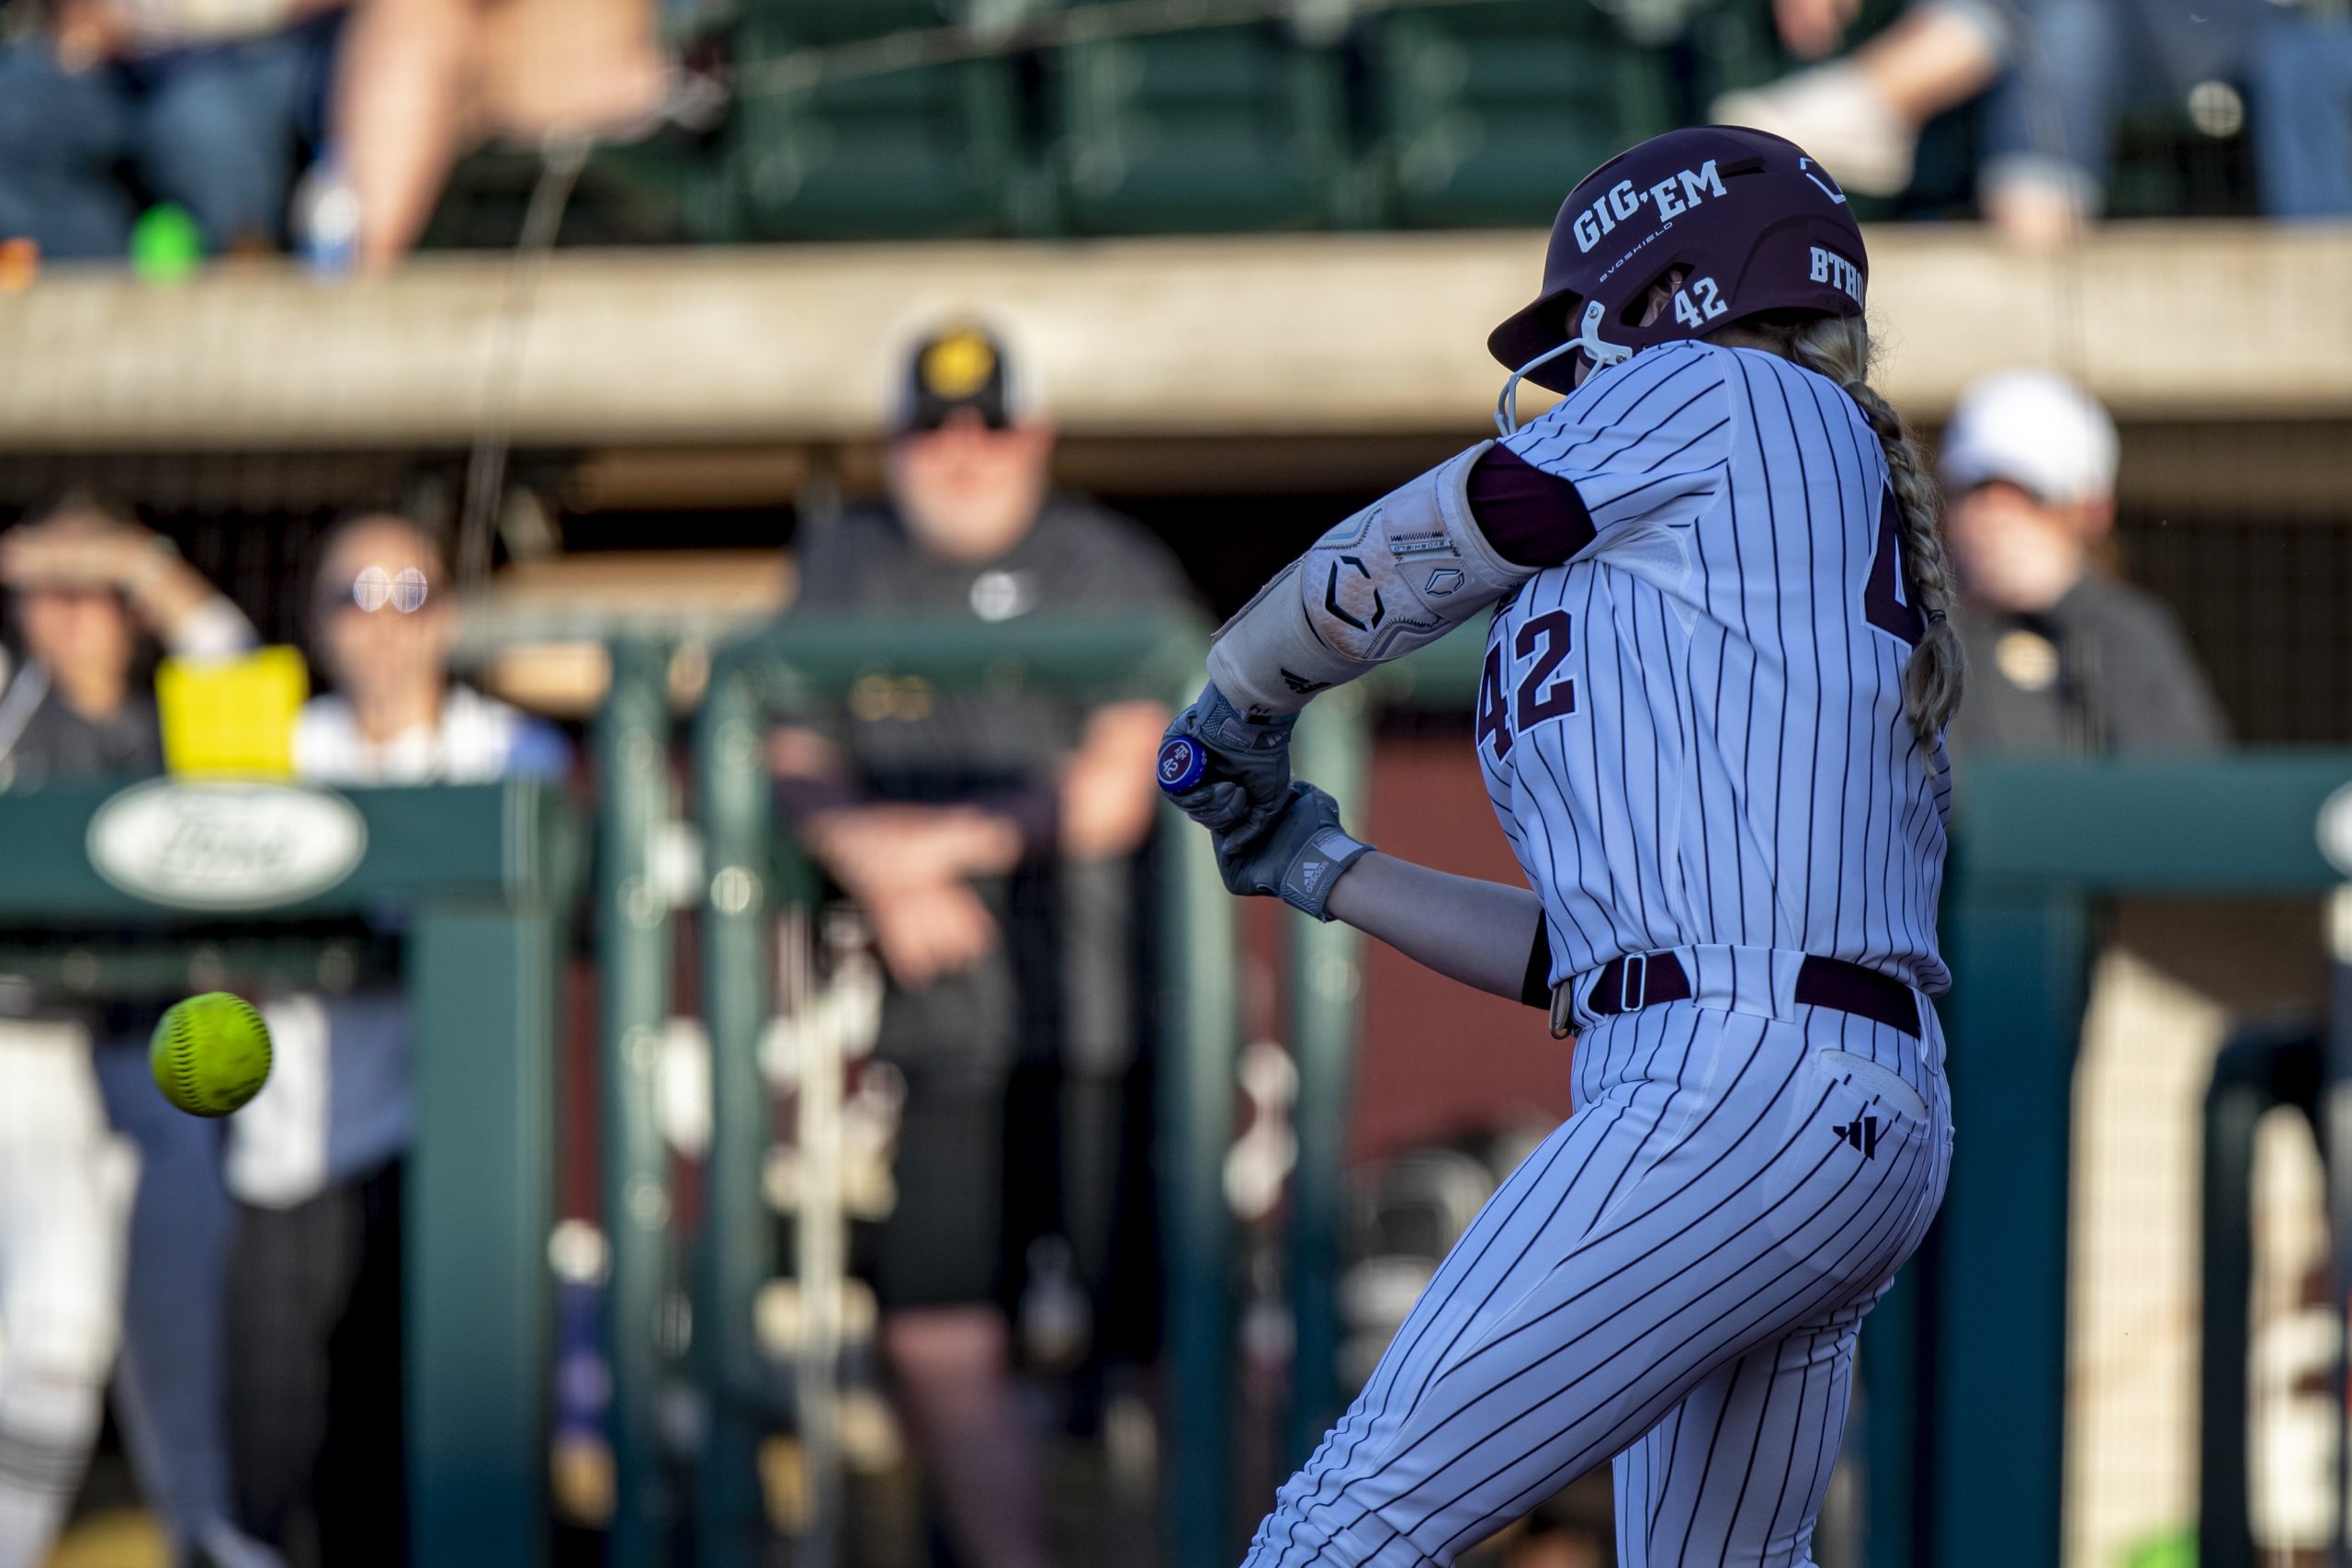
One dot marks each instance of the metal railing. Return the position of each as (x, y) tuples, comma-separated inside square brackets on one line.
[(1973, 1339), (1964, 1362), (2258, 1072), (751, 871), (483, 876)]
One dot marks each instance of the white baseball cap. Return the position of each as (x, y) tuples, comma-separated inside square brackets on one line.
[(2033, 428)]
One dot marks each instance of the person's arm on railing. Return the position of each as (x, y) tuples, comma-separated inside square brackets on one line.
[(909, 865), (905, 865), (1104, 791)]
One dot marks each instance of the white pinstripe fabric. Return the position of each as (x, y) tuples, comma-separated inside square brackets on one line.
[(1676, 1275), (65, 1181), (65, 1185), (1692, 732), (1736, 767)]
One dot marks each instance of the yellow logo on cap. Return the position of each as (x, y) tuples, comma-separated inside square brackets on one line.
[(957, 365)]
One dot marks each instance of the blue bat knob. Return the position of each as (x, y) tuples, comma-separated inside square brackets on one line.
[(1182, 761)]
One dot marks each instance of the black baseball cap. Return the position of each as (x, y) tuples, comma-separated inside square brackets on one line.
[(958, 367)]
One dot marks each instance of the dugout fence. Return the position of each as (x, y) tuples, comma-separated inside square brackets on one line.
[(1965, 1364), (755, 874), (1964, 1367), (482, 885), (169, 886), (2259, 1072), (1967, 1361)]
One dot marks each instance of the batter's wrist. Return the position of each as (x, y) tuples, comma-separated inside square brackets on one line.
[(1316, 869), (1217, 721)]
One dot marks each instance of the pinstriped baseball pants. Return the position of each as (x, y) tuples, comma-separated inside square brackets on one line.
[(1673, 1280)]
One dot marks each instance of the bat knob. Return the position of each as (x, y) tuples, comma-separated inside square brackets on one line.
[(1182, 762)]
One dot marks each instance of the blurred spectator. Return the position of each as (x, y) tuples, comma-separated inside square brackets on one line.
[(2063, 655), (2302, 113), (314, 1342), (979, 833), (87, 582), (424, 80), (2060, 73), (204, 101)]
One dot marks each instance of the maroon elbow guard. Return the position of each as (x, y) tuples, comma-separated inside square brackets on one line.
[(1531, 518)]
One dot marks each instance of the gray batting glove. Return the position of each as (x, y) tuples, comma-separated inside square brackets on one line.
[(1299, 859), (1229, 773)]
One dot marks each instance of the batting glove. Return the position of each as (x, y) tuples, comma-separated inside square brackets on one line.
[(1229, 773), (1299, 859)]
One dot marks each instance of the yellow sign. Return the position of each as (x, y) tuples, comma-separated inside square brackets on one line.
[(231, 717)]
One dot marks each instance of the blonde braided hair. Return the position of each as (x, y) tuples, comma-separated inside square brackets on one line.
[(1838, 347)]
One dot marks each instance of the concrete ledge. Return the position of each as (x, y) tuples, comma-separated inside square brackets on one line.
[(1285, 336)]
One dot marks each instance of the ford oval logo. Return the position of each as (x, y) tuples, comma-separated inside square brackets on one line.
[(224, 845)]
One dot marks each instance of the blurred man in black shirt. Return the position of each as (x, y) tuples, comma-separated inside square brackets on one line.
[(2063, 656), (981, 834)]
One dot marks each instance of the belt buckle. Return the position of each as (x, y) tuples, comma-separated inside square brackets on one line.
[(1633, 982)]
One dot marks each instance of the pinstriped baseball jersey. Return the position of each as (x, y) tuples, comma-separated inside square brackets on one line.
[(1692, 729)]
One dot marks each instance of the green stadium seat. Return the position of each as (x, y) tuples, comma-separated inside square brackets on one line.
[(1735, 45), (931, 151), (1223, 128), (841, 22), (1486, 115), (658, 191), (2164, 167), (845, 21)]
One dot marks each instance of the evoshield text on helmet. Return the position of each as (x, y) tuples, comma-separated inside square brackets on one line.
[(1751, 222)]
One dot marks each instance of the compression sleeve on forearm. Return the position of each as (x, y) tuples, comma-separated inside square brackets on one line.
[(1394, 578)]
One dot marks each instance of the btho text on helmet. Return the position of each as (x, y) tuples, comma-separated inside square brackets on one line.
[(1830, 268)]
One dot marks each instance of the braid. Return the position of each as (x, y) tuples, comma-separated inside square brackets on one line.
[(1838, 347), (1931, 686)]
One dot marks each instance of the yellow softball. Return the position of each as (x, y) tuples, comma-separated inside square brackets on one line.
[(211, 1054)]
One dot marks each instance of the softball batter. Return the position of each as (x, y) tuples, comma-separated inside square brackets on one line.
[(1711, 721)]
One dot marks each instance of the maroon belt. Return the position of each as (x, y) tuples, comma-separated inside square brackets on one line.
[(1632, 983)]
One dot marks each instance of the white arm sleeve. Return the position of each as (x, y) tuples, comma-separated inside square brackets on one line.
[(1395, 577)]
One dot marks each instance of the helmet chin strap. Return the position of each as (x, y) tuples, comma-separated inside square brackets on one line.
[(1601, 354)]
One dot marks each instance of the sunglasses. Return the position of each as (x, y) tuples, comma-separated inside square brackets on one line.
[(930, 414), (402, 591)]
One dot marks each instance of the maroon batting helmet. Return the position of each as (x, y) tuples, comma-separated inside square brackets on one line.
[(1755, 225)]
